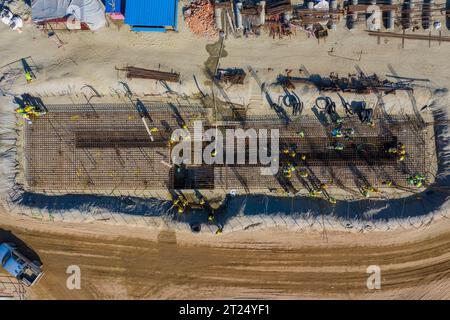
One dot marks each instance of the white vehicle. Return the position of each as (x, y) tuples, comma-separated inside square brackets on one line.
[(6, 16), (18, 265), (13, 21), (16, 23)]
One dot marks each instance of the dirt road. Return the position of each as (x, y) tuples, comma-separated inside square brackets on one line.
[(139, 263)]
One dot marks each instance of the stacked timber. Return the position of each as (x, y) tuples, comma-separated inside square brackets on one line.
[(278, 7), (251, 20), (251, 9)]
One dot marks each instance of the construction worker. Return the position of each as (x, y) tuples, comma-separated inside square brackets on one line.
[(338, 146), (21, 110), (367, 189), (314, 193), (392, 150), (154, 130), (29, 113), (28, 76), (291, 167), (27, 118), (303, 173), (285, 150), (419, 176), (292, 153), (417, 180), (211, 217), (288, 169), (401, 153), (348, 133), (181, 203), (387, 183), (336, 132), (301, 134), (219, 230), (287, 173), (176, 202), (332, 200), (303, 157)]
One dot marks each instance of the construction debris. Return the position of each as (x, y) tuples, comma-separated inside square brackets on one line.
[(13, 21), (200, 18), (232, 76), (279, 27), (353, 83), (140, 73)]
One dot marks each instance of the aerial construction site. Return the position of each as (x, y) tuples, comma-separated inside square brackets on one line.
[(225, 125)]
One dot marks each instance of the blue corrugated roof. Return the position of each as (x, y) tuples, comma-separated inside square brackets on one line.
[(13, 267), (9, 263), (113, 6), (5, 251), (151, 13)]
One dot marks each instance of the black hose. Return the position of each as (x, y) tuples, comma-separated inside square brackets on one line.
[(346, 105), (329, 107), (293, 100)]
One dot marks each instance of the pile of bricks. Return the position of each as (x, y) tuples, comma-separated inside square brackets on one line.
[(200, 18)]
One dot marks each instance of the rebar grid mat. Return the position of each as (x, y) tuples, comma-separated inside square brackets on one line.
[(11, 288), (102, 147), (105, 148)]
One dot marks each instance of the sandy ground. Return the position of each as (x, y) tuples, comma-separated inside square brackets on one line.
[(91, 58), (123, 262)]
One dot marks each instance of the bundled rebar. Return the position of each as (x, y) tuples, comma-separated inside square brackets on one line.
[(278, 7), (140, 73)]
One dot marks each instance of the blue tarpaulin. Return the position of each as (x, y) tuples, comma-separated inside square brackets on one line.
[(157, 14)]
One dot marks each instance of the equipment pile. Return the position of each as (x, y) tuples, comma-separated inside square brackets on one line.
[(231, 76)]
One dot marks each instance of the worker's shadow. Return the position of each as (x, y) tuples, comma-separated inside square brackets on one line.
[(357, 106), (7, 236), (320, 115), (142, 110)]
